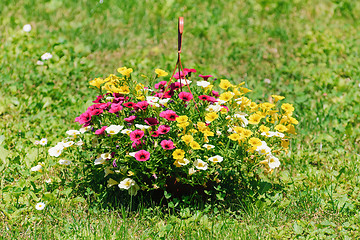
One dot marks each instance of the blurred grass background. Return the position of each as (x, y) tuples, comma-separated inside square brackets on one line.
[(309, 50)]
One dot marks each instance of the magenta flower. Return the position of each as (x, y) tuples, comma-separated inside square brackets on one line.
[(142, 155), (169, 115), (176, 85), (130, 119), (189, 70), (141, 105), (163, 129), (115, 107), (137, 144), (129, 104), (98, 98), (151, 121), (101, 130), (154, 133), (185, 96), (181, 74), (160, 84), (136, 135), (208, 98), (205, 77), (84, 118), (169, 94), (216, 94), (167, 144)]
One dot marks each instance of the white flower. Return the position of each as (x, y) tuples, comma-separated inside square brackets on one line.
[(43, 141), (208, 146), (126, 183), (230, 129), (73, 133), (219, 101), (216, 159), (37, 168), (37, 142), (114, 129), (163, 101), (55, 151), (272, 161), (79, 143), (64, 162), (200, 164), (279, 134), (152, 99), (213, 108), (99, 160), (126, 131), (46, 56), (106, 156), (40, 206), (266, 80), (27, 28), (68, 144), (184, 81), (40, 63), (268, 134), (191, 171), (263, 148), (203, 84), (48, 180), (142, 127), (109, 98), (183, 161), (84, 129), (132, 154)]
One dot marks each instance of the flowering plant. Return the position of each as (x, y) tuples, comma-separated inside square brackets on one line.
[(142, 136)]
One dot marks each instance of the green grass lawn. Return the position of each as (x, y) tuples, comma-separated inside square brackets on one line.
[(307, 51)]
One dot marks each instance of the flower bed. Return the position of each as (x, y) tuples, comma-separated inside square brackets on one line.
[(184, 132)]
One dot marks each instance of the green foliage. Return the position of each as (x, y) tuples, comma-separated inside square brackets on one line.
[(309, 50)]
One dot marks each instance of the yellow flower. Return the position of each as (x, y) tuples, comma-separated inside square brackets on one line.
[(245, 90), (187, 139), (255, 118), (182, 119), (267, 106), (160, 72), (247, 133), (285, 143), (287, 107), (254, 107), (201, 126), (211, 116), (178, 154), (125, 71), (225, 84), (181, 162), (195, 145), (237, 92), (182, 125), (264, 128), (124, 90), (223, 110), (291, 129), (281, 128), (226, 96), (139, 87), (293, 120), (193, 131), (235, 137), (208, 133), (96, 82), (239, 130), (277, 98), (255, 142)]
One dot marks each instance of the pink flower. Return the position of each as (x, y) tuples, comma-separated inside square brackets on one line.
[(142, 155), (167, 144), (163, 129), (96, 112), (207, 98), (84, 118), (115, 107), (154, 133), (141, 105), (189, 70), (98, 98), (169, 115), (176, 85), (129, 104), (185, 96), (101, 130), (177, 75), (160, 84), (136, 135), (216, 94), (205, 77), (137, 144), (130, 119)]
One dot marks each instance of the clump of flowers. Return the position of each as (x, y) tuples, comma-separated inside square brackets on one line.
[(190, 130)]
